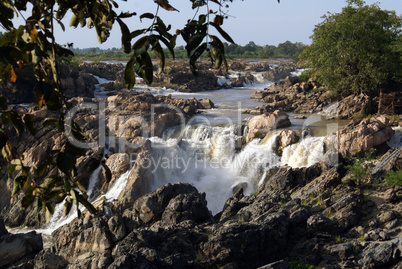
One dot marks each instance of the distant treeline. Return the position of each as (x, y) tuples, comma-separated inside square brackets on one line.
[(251, 50)]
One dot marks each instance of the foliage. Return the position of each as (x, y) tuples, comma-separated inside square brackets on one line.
[(33, 44), (359, 169), (394, 178), (304, 76), (300, 265), (286, 50), (357, 49)]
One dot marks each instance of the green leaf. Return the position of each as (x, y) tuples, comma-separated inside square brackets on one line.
[(66, 162), (67, 207), (129, 74), (222, 32), (147, 15), (160, 55), (49, 121), (19, 183), (29, 121), (3, 102), (136, 33), (6, 118), (194, 42), (195, 55), (87, 204), (3, 138), (17, 123), (38, 207), (140, 43), (11, 169), (125, 36), (143, 67)]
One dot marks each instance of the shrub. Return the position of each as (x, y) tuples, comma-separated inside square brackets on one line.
[(394, 177)]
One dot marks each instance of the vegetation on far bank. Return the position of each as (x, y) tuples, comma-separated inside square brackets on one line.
[(286, 50)]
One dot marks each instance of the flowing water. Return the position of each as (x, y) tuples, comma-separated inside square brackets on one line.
[(207, 153)]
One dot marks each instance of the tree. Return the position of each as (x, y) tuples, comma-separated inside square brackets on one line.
[(355, 49), (33, 45)]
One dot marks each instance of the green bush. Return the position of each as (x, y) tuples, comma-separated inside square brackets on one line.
[(394, 177), (305, 76)]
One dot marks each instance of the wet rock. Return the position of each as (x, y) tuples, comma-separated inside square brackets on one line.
[(288, 137), (259, 126), (206, 103)]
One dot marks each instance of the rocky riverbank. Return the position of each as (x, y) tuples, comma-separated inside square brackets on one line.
[(316, 215), (325, 215)]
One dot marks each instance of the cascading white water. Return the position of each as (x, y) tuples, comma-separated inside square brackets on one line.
[(396, 139), (206, 157)]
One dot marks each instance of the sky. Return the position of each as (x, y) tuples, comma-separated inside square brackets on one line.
[(265, 22)]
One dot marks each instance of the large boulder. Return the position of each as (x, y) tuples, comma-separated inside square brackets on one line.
[(359, 136), (259, 126), (14, 247)]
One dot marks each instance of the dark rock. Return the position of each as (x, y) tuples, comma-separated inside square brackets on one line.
[(49, 260), (192, 206), (320, 223), (342, 251), (14, 247)]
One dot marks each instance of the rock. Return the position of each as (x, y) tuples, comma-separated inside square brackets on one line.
[(320, 223), (361, 135), (140, 179), (237, 242), (83, 240), (289, 81), (116, 228), (192, 206), (287, 138), (49, 260), (259, 95), (276, 265), (150, 207), (377, 254), (342, 251), (118, 164), (287, 178), (259, 126), (14, 247), (206, 103)]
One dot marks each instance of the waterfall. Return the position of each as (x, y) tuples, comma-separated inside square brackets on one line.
[(396, 139)]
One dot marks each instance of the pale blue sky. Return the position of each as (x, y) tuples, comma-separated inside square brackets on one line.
[(261, 21)]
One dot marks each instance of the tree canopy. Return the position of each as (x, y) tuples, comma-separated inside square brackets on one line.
[(357, 49)]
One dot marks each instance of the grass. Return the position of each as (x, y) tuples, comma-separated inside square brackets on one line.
[(199, 257), (283, 205), (338, 239), (394, 178), (240, 219), (303, 203), (394, 118), (361, 237), (300, 265)]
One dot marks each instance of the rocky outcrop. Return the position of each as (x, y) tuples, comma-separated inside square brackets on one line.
[(259, 126), (73, 82), (359, 136), (16, 247)]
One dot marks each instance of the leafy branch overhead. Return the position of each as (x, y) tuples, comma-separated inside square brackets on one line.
[(33, 45)]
